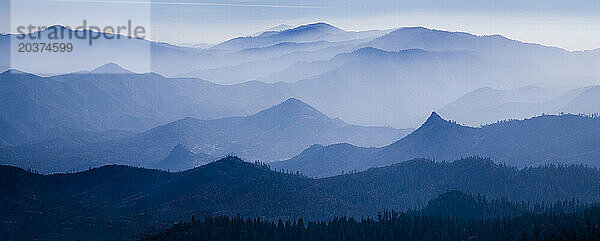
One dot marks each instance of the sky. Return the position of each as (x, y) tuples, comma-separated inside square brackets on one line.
[(569, 24)]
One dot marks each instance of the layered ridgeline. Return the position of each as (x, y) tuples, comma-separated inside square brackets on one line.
[(567, 139), (260, 57), (391, 78), (276, 133), (387, 73), (115, 202), (488, 105), (301, 34), (109, 97), (34, 108), (142, 55)]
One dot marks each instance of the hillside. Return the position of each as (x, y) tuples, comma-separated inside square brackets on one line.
[(115, 202), (305, 33), (273, 134), (558, 221), (97, 101), (488, 105), (566, 139), (388, 74)]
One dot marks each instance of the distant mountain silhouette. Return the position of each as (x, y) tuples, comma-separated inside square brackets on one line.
[(101, 100), (262, 62), (117, 202), (322, 161), (400, 84), (531, 142), (397, 87), (304, 70), (389, 77), (142, 56), (304, 33), (488, 105), (396, 69), (586, 102), (110, 68), (439, 40), (277, 133)]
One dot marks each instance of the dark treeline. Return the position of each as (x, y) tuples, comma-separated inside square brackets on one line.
[(567, 220), (116, 202)]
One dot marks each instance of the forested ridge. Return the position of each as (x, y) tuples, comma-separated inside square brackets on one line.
[(115, 202), (567, 220), (545, 139)]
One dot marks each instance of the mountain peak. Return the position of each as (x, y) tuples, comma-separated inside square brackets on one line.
[(293, 101), (434, 119), (290, 109), (435, 115), (110, 68), (231, 158), (226, 163), (319, 26), (293, 105), (12, 71)]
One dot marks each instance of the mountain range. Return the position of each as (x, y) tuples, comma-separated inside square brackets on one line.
[(276, 133), (535, 141), (487, 105), (388, 73), (40, 110), (141, 55), (118, 202), (109, 97), (305, 33), (124, 137)]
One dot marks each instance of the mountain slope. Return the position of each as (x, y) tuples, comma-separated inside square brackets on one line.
[(436, 138), (36, 108), (398, 88), (462, 62), (181, 159), (141, 56), (263, 63), (320, 161), (116, 202), (586, 102), (487, 105), (530, 142), (396, 85), (277, 133), (540, 63), (305, 33)]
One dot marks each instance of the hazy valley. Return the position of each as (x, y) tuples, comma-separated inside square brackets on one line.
[(294, 131)]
